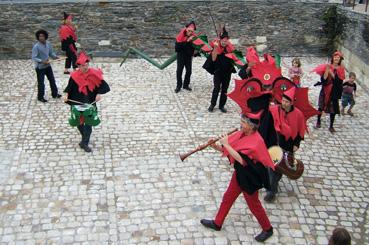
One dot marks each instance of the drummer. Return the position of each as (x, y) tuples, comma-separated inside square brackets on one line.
[(85, 87), (290, 125)]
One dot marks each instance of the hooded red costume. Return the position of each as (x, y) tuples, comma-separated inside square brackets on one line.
[(68, 38), (290, 124), (249, 177), (84, 86)]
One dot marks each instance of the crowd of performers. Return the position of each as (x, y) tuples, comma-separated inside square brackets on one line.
[(274, 108)]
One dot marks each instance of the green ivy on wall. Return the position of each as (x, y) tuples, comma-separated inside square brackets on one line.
[(333, 28)]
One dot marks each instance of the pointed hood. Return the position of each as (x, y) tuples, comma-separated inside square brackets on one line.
[(67, 16), (82, 58), (290, 94)]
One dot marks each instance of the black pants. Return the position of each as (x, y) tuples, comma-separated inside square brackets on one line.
[(48, 71), (221, 84), (184, 61), (85, 131), (71, 59), (274, 178)]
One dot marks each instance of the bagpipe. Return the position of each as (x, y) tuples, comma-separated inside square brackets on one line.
[(88, 116)]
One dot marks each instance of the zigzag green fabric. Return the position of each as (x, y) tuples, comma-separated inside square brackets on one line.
[(146, 57)]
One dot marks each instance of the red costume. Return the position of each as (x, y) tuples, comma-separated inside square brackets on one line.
[(83, 88), (68, 38), (249, 176), (291, 125), (247, 179)]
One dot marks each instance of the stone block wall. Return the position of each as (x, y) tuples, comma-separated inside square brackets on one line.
[(109, 27), (355, 44)]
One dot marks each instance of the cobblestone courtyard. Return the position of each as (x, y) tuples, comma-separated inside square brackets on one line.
[(134, 189)]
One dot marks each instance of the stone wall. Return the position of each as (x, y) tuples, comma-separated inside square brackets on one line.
[(108, 28), (355, 44)]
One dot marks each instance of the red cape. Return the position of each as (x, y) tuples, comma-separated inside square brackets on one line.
[(66, 31), (320, 69), (90, 80), (251, 145), (181, 37), (228, 49), (288, 124)]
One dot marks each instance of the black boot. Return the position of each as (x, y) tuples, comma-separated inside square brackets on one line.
[(269, 197), (264, 235), (85, 147), (210, 224), (222, 109)]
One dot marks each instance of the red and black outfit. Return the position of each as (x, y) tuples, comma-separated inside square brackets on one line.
[(247, 179), (68, 38), (330, 93), (290, 128), (332, 88), (222, 69), (185, 52), (83, 87)]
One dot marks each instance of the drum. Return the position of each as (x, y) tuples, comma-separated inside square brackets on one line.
[(75, 115), (285, 163), (276, 154), (89, 116)]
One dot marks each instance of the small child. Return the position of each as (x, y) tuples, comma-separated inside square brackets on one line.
[(349, 91), (295, 72)]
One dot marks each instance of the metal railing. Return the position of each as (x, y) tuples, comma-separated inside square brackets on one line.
[(356, 4)]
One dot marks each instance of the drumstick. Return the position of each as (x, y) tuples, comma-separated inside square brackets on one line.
[(59, 59), (74, 101), (78, 102)]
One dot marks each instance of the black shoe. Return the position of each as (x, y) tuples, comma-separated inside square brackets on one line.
[(177, 90), (211, 108), (264, 235), (67, 72), (222, 109), (187, 88), (42, 100), (85, 147), (269, 197), (57, 96), (210, 224)]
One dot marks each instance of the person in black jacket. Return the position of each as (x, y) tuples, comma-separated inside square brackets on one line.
[(84, 89), (185, 52), (222, 68)]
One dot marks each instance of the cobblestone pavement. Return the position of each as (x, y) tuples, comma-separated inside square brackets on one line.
[(134, 189)]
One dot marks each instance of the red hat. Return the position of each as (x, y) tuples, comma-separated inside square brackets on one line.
[(338, 53), (290, 94), (82, 58)]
